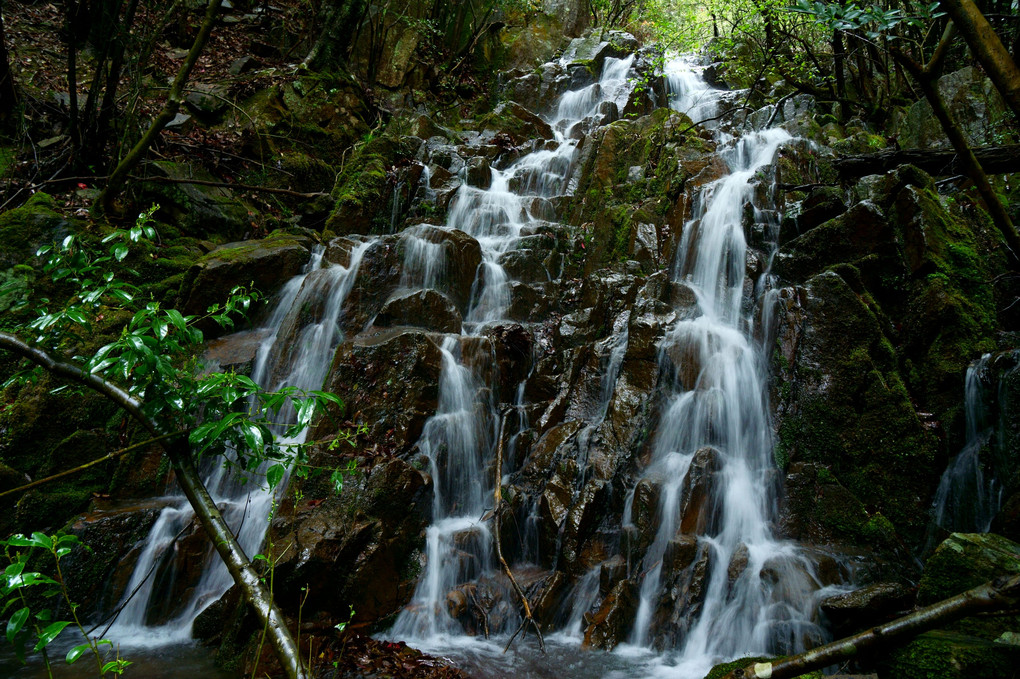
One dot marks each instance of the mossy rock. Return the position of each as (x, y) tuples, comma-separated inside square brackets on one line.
[(198, 210), (847, 408), (24, 229), (265, 264), (964, 561), (948, 655), (363, 189)]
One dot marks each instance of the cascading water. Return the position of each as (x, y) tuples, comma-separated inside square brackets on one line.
[(712, 456), (711, 459), (288, 355), (458, 440), (969, 493)]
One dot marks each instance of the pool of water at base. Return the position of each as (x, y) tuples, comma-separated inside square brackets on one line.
[(564, 658), (166, 662)]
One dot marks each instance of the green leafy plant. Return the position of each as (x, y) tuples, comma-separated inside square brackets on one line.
[(21, 589), (150, 371)]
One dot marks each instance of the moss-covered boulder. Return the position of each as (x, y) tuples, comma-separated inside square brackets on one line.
[(951, 655), (363, 191), (24, 229), (974, 102), (843, 403), (964, 561), (197, 209), (264, 264)]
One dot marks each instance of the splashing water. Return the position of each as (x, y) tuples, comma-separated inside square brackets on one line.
[(288, 355)]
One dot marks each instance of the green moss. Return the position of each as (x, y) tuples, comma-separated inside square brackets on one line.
[(945, 655)]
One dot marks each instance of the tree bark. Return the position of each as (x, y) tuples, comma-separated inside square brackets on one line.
[(993, 159), (988, 49), (1001, 593), (237, 562), (173, 104)]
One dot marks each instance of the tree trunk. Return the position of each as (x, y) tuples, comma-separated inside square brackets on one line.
[(991, 596), (237, 562), (173, 104), (988, 48), (993, 159), (969, 163), (8, 95)]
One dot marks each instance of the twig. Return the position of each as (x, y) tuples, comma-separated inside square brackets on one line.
[(112, 618), (497, 507), (99, 460), (229, 185)]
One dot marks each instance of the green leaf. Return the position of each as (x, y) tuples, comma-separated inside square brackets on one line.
[(274, 475), (16, 622), (50, 633), (76, 653), (42, 540), (119, 251)]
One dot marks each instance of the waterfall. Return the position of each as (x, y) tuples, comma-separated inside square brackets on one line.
[(969, 494), (459, 439), (712, 454), (291, 353)]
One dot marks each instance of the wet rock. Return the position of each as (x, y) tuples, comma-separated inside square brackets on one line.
[(584, 515), (597, 47), (610, 625), (426, 309), (234, 353), (738, 563), (461, 257), (389, 381), (525, 266), (520, 124), (267, 263), (683, 588), (209, 625), (97, 577), (479, 174), (356, 548), (868, 606), (645, 509), (511, 345), (695, 512), (611, 572)]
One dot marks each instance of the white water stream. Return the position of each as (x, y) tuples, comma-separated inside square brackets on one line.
[(717, 404), (459, 439), (288, 355)]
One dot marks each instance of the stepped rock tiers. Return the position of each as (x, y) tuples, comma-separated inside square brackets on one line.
[(673, 373)]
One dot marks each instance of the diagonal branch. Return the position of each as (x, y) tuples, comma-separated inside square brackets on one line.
[(233, 556)]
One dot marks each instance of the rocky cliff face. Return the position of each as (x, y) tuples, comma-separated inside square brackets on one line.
[(868, 301)]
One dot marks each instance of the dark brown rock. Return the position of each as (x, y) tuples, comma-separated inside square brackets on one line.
[(389, 380), (426, 309), (610, 625)]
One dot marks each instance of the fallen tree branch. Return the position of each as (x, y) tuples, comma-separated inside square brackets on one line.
[(1001, 593), (993, 159), (497, 511), (228, 185)]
